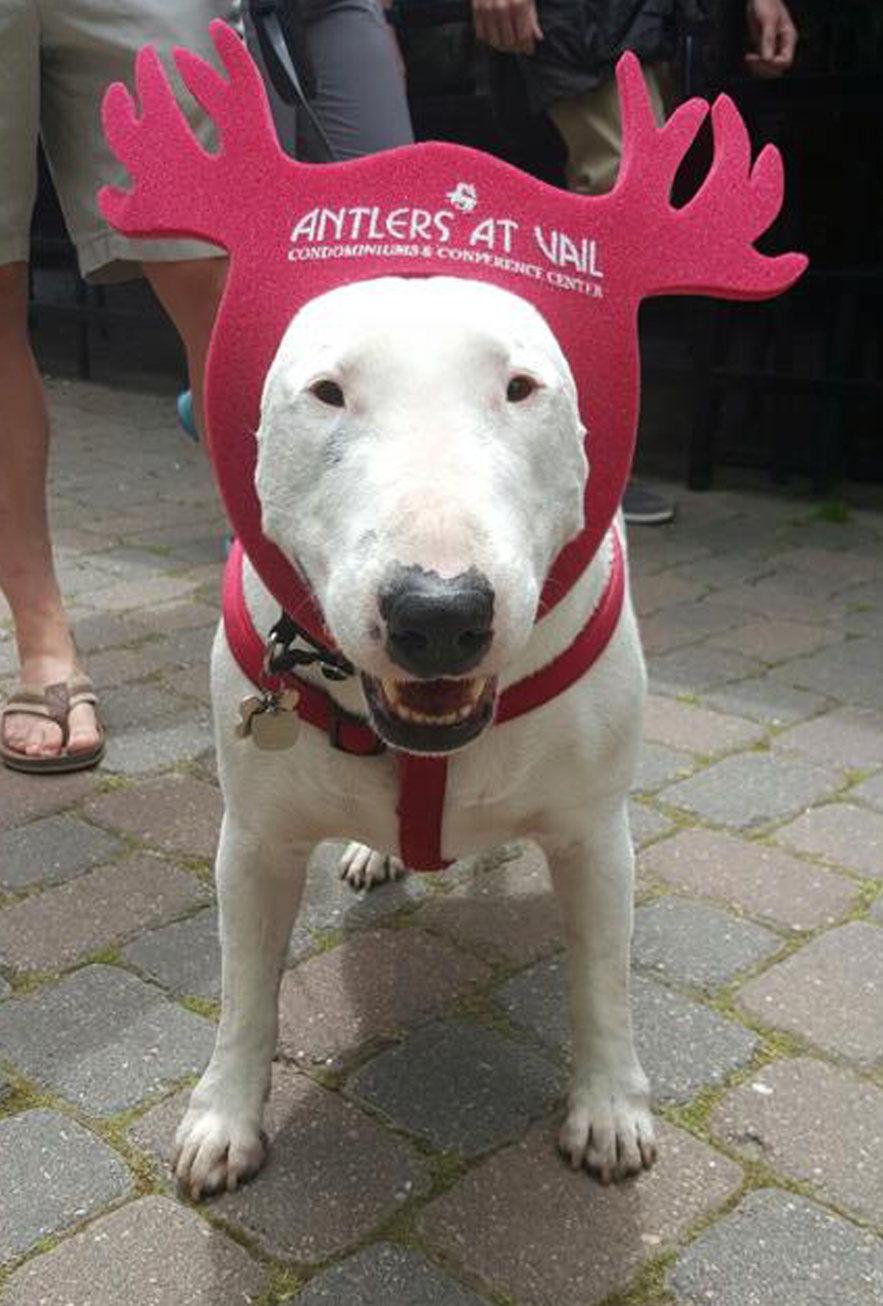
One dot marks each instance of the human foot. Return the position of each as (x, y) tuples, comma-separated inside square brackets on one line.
[(49, 723)]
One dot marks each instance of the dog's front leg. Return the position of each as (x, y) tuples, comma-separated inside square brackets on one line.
[(219, 1142), (609, 1128)]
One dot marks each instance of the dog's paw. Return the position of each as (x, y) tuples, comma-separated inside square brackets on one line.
[(608, 1131), (215, 1152), (362, 867)]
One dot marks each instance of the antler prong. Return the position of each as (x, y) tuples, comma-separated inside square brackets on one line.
[(120, 118), (656, 151), (709, 241), (179, 187), (732, 148), (767, 182), (206, 85)]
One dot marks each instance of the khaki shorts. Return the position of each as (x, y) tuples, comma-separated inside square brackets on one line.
[(57, 58), (590, 127)]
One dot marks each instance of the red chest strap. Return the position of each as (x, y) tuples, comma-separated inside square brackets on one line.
[(422, 780)]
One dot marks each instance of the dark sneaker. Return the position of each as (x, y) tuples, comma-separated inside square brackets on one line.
[(644, 507)]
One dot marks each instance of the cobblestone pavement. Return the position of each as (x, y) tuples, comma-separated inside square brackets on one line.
[(422, 1046)]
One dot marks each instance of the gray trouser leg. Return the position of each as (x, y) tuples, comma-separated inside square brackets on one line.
[(361, 101)]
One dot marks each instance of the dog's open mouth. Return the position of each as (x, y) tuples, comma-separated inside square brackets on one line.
[(430, 716)]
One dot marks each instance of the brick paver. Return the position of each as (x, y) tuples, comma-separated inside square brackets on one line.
[(153, 1252), (695, 944), (462, 1088), (60, 926), (684, 725), (682, 1044), (370, 987), (776, 1249), (21, 800), (769, 701), (790, 597), (674, 627), (51, 849), (857, 662), (810, 993), (423, 1037), (847, 737), (55, 1173), (527, 1225), (102, 1039), (698, 667), (660, 765), (330, 904), (753, 877), (333, 1174), (178, 815), (775, 641), (839, 832), (752, 789), (511, 910), (156, 747), (788, 1115), (185, 956), (385, 1276)]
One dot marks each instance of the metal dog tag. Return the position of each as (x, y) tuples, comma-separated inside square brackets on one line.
[(273, 729), (275, 723), (247, 709)]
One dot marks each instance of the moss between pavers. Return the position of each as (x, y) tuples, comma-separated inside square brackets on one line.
[(210, 1008), (282, 1285), (835, 511), (324, 1076), (108, 784), (325, 941), (201, 867), (857, 774), (31, 981), (693, 1115), (23, 983), (648, 1284), (447, 1169), (22, 1096)]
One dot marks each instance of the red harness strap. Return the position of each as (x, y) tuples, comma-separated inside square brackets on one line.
[(422, 780)]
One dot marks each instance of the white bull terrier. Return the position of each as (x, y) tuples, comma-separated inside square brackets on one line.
[(421, 462)]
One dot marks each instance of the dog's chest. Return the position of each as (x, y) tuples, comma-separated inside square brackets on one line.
[(484, 799)]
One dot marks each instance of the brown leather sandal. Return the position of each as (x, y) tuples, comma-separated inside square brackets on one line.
[(53, 702)]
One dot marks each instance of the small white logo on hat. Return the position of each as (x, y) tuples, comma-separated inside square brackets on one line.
[(463, 197)]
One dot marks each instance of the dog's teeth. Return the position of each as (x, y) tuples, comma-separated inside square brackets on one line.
[(396, 692)]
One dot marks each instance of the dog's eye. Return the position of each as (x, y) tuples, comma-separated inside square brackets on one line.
[(519, 389), (328, 392)]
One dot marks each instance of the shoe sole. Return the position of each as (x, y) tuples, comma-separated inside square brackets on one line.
[(649, 518)]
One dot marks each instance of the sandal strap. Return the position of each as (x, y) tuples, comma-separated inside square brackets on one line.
[(52, 702), (81, 690)]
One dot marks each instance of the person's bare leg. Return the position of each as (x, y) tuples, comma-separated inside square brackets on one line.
[(190, 291), (27, 574)]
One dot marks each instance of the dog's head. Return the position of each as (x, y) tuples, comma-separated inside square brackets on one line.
[(421, 463)]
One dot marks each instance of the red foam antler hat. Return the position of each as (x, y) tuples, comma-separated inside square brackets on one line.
[(294, 230)]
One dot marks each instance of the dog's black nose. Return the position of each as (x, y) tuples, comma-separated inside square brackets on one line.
[(436, 627)]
